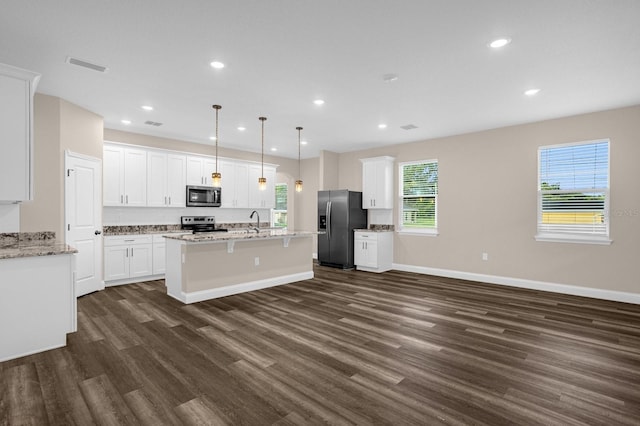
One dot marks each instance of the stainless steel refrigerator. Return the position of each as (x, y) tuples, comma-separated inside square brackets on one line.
[(339, 213)]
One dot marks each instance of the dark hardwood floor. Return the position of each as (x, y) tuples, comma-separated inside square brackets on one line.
[(343, 348)]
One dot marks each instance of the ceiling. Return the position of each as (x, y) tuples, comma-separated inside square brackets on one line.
[(281, 55)]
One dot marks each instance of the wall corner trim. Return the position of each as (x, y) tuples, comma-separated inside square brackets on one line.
[(596, 293)]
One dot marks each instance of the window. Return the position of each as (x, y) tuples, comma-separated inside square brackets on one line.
[(279, 214), (573, 192), (419, 192)]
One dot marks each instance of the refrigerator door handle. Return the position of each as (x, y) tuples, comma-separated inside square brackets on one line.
[(329, 219)]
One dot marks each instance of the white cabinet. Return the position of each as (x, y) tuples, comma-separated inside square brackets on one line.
[(262, 199), (199, 170), (235, 184), (166, 179), (377, 183), (125, 176), (127, 256), (17, 87), (373, 251)]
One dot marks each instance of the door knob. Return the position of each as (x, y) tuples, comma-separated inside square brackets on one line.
[(98, 232)]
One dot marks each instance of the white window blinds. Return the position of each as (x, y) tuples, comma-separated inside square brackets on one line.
[(419, 189), (573, 190)]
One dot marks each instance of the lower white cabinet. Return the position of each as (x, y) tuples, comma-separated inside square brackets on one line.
[(373, 251), (159, 253), (127, 257)]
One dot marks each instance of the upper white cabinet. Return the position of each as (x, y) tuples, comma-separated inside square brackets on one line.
[(235, 184), (166, 179), (377, 183), (125, 176), (262, 199), (199, 170), (17, 87)]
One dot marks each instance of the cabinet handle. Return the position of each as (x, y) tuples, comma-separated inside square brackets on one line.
[(122, 199), (127, 253), (169, 200), (127, 198), (165, 200), (131, 251)]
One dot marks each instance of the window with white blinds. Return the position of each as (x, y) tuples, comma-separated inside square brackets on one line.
[(419, 192), (573, 192)]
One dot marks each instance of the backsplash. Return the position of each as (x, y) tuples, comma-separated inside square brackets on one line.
[(117, 216), (375, 227)]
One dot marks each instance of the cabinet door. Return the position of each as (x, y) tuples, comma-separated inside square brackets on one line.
[(176, 180), (113, 174), (359, 254), (116, 262), (140, 260), (371, 249), (135, 177), (15, 167), (242, 185), (369, 182), (208, 167), (159, 250), (156, 179), (194, 171), (228, 185)]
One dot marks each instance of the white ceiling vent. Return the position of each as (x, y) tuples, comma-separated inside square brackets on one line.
[(85, 64), (153, 123), (408, 127)]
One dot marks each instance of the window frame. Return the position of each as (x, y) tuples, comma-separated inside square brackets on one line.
[(274, 211), (566, 236), (423, 231)]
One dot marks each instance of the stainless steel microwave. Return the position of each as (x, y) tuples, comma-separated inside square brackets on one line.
[(203, 196)]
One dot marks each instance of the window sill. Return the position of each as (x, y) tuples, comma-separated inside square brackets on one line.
[(419, 232), (576, 239)]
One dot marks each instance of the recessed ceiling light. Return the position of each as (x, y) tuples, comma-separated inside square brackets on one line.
[(303, 142), (242, 129), (388, 78), (274, 149), (531, 92), (500, 42), (147, 108), (318, 102), (127, 122), (382, 126), (213, 138), (217, 65)]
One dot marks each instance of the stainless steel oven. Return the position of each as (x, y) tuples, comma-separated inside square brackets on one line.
[(203, 196)]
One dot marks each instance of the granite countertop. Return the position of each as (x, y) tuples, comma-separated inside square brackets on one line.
[(240, 235), (165, 229), (31, 244), (373, 230)]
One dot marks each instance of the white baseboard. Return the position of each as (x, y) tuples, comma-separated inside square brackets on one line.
[(597, 293), (199, 296)]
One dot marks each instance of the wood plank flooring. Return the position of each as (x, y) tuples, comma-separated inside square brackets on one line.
[(343, 348)]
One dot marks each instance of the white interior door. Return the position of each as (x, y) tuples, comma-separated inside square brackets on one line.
[(83, 214)]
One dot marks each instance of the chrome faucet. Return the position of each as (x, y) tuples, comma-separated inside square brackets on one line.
[(257, 228)]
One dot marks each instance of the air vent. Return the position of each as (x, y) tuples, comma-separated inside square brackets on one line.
[(408, 127), (153, 123), (85, 64)]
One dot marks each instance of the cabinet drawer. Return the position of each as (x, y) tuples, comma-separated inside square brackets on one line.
[(119, 240), (369, 236)]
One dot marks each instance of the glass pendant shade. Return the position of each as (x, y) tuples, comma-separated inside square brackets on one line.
[(262, 183), (298, 185), (216, 178)]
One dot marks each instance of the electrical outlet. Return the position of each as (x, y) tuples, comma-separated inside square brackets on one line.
[(257, 261), (485, 256)]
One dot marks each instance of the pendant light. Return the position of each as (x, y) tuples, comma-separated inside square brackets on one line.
[(216, 176), (299, 181), (262, 181)]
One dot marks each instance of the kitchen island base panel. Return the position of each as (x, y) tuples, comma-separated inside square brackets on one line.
[(215, 293), (201, 271)]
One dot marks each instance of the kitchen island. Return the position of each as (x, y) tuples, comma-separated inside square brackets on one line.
[(217, 264)]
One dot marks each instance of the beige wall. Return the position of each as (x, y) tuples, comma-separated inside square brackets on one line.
[(58, 126), (329, 170), (487, 203)]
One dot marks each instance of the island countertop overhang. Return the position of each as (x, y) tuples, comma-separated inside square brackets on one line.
[(213, 237)]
